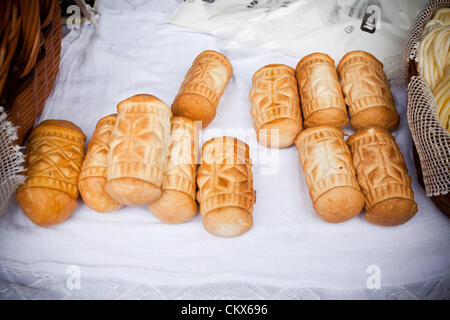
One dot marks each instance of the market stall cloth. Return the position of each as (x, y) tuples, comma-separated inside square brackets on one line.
[(288, 246)]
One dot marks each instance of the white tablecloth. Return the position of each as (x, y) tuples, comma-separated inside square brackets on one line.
[(289, 249)]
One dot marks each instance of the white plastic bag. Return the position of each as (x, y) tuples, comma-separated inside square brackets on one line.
[(299, 27)]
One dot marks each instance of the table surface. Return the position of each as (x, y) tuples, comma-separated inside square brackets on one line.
[(288, 254)]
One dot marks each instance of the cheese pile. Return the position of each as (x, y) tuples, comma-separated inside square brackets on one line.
[(434, 62)]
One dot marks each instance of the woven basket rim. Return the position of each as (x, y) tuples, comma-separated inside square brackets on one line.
[(27, 100)]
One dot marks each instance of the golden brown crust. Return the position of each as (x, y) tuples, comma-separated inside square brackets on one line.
[(339, 204), (383, 177), (321, 96), (107, 121), (379, 115), (218, 56), (279, 133), (92, 191), (132, 191), (270, 67), (329, 173), (217, 148), (359, 53), (367, 92), (202, 87), (61, 124), (335, 117), (94, 171), (45, 207), (275, 106), (314, 56), (54, 156), (177, 203), (228, 221), (58, 129), (141, 103), (225, 183), (200, 108), (174, 207), (53, 161), (391, 212), (138, 150)]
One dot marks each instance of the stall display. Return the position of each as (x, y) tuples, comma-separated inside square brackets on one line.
[(189, 147)]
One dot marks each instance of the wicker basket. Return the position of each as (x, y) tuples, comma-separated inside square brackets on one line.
[(26, 96), (442, 201)]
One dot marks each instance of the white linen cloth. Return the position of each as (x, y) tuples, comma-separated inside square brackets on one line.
[(288, 246)]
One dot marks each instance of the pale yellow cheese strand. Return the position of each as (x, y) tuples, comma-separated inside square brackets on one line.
[(434, 62), (442, 97), (438, 53), (443, 15), (434, 54)]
